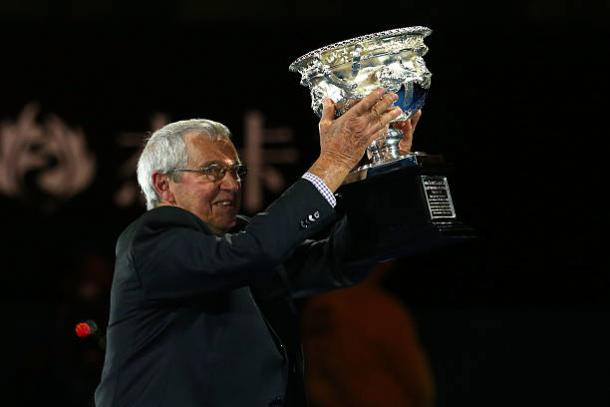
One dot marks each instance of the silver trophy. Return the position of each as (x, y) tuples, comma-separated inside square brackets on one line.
[(349, 70)]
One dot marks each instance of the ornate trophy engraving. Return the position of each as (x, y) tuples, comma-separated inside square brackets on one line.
[(349, 70), (400, 201)]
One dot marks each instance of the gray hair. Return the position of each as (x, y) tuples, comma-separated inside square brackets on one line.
[(166, 151)]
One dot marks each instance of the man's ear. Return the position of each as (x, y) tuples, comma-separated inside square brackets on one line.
[(161, 184)]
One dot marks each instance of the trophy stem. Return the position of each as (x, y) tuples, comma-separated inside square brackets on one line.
[(385, 148)]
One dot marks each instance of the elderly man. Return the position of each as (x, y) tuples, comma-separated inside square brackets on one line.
[(186, 326)]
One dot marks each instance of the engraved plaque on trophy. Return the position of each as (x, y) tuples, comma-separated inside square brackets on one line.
[(400, 200)]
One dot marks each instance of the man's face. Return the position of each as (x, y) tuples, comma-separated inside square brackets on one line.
[(215, 202)]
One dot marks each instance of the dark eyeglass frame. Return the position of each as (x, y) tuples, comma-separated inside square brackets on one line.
[(217, 171)]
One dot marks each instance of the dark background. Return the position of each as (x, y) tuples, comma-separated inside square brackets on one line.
[(518, 105)]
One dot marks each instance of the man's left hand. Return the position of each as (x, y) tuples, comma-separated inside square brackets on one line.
[(407, 127)]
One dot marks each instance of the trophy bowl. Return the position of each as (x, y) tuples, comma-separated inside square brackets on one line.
[(347, 71)]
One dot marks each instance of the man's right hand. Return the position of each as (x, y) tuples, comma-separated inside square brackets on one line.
[(343, 140)]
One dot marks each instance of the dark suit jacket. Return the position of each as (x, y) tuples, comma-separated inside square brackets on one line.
[(185, 328)]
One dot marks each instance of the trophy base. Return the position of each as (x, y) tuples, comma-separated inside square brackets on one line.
[(409, 160), (402, 208)]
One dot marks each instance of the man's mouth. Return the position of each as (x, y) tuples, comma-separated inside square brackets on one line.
[(224, 203)]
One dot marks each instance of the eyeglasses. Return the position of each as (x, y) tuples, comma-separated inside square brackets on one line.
[(216, 171)]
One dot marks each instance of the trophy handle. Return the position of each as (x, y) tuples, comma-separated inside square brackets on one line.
[(356, 55), (340, 83)]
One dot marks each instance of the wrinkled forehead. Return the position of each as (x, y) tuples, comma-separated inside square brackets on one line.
[(201, 149)]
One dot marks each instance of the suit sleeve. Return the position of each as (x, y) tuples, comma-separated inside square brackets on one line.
[(317, 266), (174, 258)]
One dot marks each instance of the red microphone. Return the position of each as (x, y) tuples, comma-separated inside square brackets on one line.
[(89, 330), (85, 329)]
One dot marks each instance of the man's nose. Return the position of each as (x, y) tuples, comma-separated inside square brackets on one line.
[(230, 181)]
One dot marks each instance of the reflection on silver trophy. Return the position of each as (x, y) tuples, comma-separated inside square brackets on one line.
[(349, 70)]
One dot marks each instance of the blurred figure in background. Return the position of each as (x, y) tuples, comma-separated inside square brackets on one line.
[(362, 349)]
